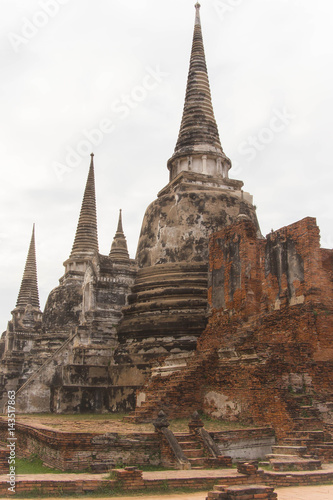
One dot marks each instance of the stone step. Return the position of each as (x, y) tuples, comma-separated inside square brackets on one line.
[(309, 412), (193, 453), (308, 423), (295, 464), (324, 446), (297, 442), (313, 435), (279, 456), (289, 450), (189, 445), (219, 487), (197, 462)]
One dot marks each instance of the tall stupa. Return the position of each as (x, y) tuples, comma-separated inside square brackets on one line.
[(167, 309)]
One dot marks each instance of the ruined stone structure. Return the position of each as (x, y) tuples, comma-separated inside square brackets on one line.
[(167, 308), (266, 353), (65, 364), (24, 330), (210, 315)]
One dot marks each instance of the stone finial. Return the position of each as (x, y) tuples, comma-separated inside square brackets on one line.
[(28, 294), (86, 240), (161, 421), (196, 422), (197, 14), (119, 252)]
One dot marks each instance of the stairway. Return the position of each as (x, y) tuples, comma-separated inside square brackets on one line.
[(302, 450), (192, 449), (308, 444), (310, 430), (178, 395), (318, 443), (292, 457), (197, 455)]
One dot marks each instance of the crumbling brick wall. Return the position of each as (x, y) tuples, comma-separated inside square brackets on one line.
[(269, 336), (271, 321), (249, 275)]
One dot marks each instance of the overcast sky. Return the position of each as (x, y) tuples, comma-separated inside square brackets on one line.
[(109, 76)]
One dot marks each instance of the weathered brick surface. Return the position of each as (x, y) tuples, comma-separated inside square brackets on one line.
[(101, 452), (249, 492), (275, 300), (129, 478), (82, 451), (4, 457), (270, 334), (55, 487), (248, 468)]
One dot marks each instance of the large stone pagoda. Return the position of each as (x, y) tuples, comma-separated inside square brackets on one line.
[(167, 308), (116, 329)]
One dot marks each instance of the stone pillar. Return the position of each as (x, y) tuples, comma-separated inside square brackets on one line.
[(196, 423), (204, 164), (129, 478), (171, 452)]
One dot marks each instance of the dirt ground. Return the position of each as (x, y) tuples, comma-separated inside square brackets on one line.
[(112, 423), (84, 423)]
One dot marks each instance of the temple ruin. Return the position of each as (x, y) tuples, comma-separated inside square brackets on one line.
[(210, 315)]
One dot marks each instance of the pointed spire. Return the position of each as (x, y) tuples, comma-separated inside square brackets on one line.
[(198, 124), (119, 250), (198, 130), (86, 240), (120, 223), (28, 294)]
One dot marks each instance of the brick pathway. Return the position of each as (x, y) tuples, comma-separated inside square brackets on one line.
[(187, 474), (324, 492), (168, 474), (295, 493), (56, 477)]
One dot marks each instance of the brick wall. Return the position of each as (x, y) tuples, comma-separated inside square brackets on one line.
[(249, 275), (83, 451), (4, 457), (271, 322)]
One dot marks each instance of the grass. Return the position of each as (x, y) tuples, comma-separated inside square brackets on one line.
[(34, 465)]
